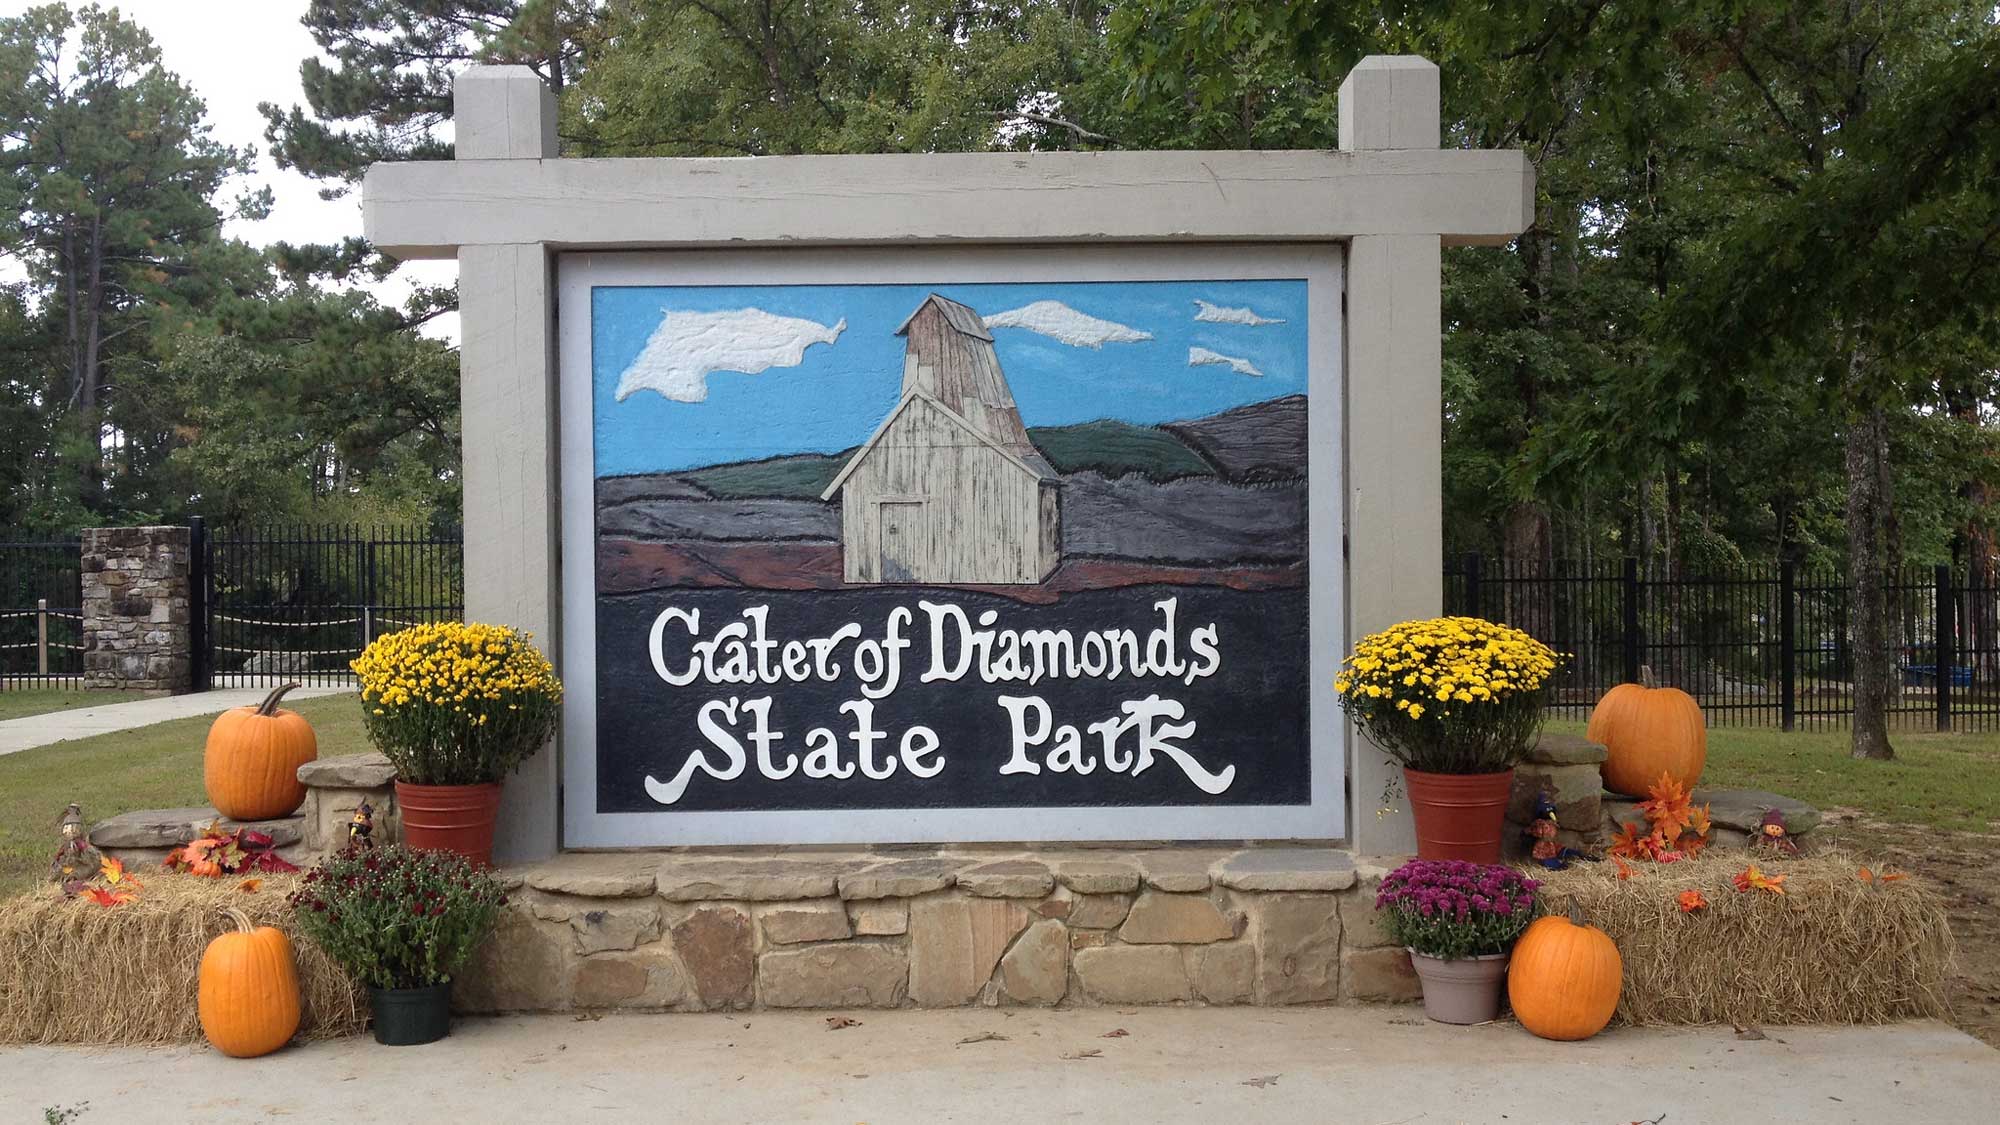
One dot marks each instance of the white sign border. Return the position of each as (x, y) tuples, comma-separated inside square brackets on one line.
[(1322, 267)]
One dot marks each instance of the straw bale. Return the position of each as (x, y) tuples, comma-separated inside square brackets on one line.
[(1834, 948), (75, 972)]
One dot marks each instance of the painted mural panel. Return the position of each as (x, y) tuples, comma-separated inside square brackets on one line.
[(953, 546)]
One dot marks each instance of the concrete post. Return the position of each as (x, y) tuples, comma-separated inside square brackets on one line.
[(1395, 487), (507, 395)]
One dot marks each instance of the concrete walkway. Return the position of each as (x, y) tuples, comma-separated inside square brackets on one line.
[(31, 731), (1204, 1065)]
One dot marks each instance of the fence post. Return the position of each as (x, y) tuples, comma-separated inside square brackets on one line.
[(200, 664), (1631, 630), (1788, 644), (1472, 581), (42, 637), (1946, 648)]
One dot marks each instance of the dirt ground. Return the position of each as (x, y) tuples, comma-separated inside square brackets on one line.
[(1966, 867)]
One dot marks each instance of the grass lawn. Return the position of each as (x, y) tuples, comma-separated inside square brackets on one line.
[(156, 767), (18, 703), (1939, 780)]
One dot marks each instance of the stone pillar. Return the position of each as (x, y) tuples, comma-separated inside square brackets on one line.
[(507, 395), (1395, 485), (135, 609)]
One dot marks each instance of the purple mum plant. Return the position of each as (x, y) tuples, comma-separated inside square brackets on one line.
[(1451, 909)]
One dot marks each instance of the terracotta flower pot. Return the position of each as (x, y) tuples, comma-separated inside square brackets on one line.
[(1459, 816), (451, 818), (1462, 991)]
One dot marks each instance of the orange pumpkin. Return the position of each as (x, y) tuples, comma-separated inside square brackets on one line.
[(250, 765), (248, 995), (1564, 978), (1648, 731)]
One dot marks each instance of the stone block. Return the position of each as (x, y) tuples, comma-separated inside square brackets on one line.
[(954, 944), (1225, 973), (1360, 923), (603, 982), (1099, 876), (1056, 905), (879, 918), (625, 927), (1008, 878), (1177, 919), (1089, 939), (1379, 974), (854, 975), (1744, 809), (603, 875), (745, 880), (793, 923), (1287, 869), (1578, 792), (1036, 969), (170, 828), (902, 878), (1098, 912), (715, 944), (1553, 749), (1131, 974), (1298, 948), (348, 771), (1178, 870), (521, 966)]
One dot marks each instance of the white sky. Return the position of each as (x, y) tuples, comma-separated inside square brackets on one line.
[(236, 53)]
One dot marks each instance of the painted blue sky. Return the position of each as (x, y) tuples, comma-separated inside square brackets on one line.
[(836, 393)]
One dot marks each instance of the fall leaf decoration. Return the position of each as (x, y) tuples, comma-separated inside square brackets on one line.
[(1752, 878), (1624, 869), (113, 871), (1692, 900), (104, 897), (1873, 879), (250, 886), (1674, 829), (216, 853)]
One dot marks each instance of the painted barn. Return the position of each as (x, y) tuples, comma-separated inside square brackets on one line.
[(948, 489)]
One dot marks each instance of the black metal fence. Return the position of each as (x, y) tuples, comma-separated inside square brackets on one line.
[(41, 613), (1757, 645), (300, 602)]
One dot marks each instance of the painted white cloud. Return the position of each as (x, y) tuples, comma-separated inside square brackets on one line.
[(688, 346), (1223, 314), (1202, 357), (1060, 322)]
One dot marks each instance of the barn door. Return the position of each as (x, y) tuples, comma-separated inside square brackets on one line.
[(904, 543)]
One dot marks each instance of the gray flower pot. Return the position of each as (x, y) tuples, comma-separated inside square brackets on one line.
[(1462, 991)]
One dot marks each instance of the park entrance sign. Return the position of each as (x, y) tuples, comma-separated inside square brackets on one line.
[(956, 497)]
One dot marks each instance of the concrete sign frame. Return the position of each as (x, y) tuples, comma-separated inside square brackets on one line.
[(508, 208)]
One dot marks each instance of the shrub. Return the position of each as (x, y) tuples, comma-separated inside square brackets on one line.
[(1451, 909), (396, 917), (456, 703), (1452, 695)]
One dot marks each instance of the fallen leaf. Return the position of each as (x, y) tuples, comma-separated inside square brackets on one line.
[(1115, 1033), (1692, 900), (113, 870), (587, 1017), (1088, 1053), (250, 886), (835, 1023), (1748, 1032), (982, 1037), (102, 897), (1752, 878), (1261, 1081)]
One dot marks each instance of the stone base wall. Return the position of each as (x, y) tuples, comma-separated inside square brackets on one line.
[(135, 608), (687, 932)]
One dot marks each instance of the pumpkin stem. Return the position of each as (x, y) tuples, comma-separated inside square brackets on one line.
[(270, 704), (242, 920), (1646, 677)]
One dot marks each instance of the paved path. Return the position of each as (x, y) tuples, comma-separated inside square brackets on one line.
[(82, 722), (1205, 1065)]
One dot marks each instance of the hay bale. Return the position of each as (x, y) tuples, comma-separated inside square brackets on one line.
[(1833, 949), (75, 972)]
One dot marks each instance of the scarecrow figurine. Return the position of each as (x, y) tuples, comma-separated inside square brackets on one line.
[(1541, 836), (76, 862), (361, 827), (1771, 833)]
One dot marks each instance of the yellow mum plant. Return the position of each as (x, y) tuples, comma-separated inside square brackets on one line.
[(457, 703), (1450, 694)]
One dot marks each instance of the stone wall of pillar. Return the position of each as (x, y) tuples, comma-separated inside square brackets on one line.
[(136, 608)]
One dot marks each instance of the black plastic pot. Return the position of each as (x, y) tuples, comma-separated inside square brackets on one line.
[(405, 1017)]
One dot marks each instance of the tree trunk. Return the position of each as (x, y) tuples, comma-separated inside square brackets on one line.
[(1528, 550), (1870, 525)]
